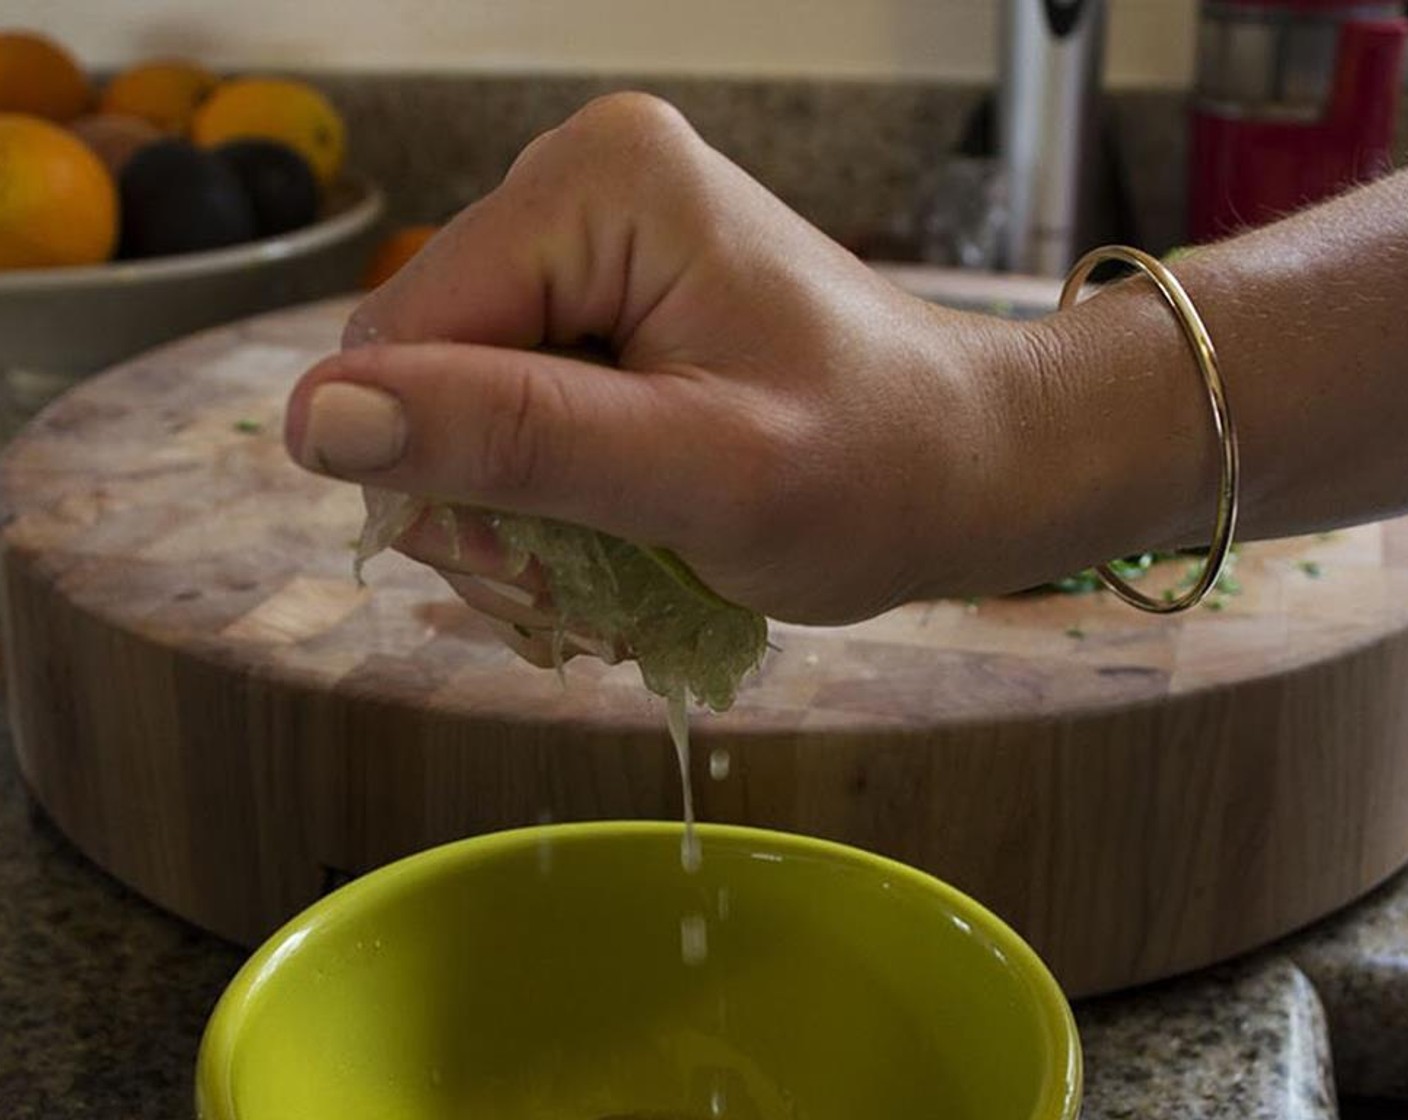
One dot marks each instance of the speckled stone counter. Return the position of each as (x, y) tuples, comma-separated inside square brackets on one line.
[(1358, 963), (102, 996), (102, 1001), (1246, 1040)]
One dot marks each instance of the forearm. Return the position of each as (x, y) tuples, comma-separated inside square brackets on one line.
[(1310, 319)]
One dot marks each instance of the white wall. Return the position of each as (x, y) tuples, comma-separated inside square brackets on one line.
[(1151, 41)]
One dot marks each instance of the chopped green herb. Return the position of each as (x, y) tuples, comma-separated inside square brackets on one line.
[(1078, 584), (1215, 604), (249, 427), (1311, 568), (1075, 632), (1228, 584), (1128, 567), (1132, 567)]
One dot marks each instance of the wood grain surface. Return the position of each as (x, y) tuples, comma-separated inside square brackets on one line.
[(212, 709)]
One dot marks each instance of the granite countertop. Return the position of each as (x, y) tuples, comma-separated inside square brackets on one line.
[(103, 998)]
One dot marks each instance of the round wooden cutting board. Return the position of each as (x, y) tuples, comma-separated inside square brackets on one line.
[(212, 709)]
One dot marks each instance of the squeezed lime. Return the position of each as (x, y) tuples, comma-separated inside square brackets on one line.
[(687, 641)]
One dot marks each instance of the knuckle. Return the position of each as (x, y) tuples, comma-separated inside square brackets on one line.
[(622, 148), (515, 447), (509, 454), (629, 118), (532, 153)]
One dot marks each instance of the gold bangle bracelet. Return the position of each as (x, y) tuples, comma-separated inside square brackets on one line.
[(1204, 353)]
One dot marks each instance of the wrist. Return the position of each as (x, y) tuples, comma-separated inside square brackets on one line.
[(1129, 459), (1089, 438), (988, 526)]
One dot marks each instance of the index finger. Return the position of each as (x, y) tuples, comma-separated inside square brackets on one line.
[(548, 258)]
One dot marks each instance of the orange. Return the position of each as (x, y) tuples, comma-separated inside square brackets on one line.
[(58, 204), (393, 251), (291, 112), (39, 77), (165, 93)]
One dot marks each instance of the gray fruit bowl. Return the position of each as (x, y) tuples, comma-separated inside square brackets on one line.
[(58, 325)]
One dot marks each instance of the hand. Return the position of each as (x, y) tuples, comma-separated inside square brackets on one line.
[(812, 441)]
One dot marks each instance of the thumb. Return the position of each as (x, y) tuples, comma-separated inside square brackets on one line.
[(515, 430)]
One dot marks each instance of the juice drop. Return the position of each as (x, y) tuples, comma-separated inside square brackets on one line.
[(677, 718), (694, 939), (719, 763)]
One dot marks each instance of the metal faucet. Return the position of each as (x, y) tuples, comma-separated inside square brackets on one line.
[(1051, 58)]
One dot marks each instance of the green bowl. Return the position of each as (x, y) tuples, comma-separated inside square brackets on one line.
[(577, 972)]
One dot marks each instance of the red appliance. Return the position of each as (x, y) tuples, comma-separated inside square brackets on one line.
[(1294, 100)]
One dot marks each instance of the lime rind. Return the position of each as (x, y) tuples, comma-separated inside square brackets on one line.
[(684, 575), (685, 638)]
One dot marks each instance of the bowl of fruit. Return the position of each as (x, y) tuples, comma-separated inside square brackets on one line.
[(165, 200)]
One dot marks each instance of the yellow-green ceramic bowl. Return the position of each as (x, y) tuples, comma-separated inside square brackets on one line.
[(576, 972)]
